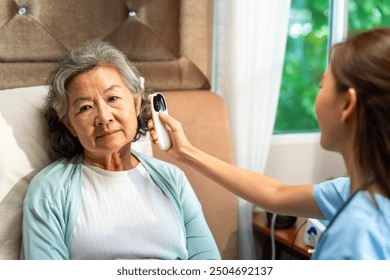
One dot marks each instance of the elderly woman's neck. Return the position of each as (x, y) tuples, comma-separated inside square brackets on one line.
[(112, 162)]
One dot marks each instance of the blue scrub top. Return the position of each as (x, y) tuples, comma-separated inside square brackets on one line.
[(360, 231)]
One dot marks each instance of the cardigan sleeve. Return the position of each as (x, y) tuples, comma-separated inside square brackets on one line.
[(200, 242), (43, 234), (50, 210)]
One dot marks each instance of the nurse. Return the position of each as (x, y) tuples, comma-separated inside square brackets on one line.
[(353, 111)]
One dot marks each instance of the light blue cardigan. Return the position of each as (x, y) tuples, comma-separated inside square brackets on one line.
[(53, 199)]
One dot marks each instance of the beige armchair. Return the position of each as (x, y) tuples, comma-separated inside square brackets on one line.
[(171, 42)]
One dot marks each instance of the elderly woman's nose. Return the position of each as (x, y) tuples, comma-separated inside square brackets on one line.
[(104, 115)]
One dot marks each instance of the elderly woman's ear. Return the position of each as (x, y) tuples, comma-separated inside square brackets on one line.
[(137, 103)]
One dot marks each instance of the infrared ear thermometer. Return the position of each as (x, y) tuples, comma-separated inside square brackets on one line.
[(158, 104)]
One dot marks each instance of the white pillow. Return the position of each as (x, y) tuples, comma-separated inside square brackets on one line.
[(24, 150)]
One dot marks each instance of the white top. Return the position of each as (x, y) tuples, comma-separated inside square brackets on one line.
[(125, 215)]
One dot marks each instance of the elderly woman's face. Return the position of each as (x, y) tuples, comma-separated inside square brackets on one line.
[(102, 111)]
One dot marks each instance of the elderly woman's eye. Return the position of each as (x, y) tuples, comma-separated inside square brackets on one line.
[(85, 108), (113, 98)]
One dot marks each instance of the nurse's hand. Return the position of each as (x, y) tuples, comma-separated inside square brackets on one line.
[(180, 143)]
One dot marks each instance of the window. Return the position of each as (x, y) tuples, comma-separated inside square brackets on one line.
[(306, 55)]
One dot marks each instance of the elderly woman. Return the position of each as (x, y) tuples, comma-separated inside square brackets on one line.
[(102, 200)]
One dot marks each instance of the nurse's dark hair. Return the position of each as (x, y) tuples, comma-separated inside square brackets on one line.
[(363, 62), (90, 55)]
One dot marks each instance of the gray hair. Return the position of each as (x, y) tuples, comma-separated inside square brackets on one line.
[(90, 55)]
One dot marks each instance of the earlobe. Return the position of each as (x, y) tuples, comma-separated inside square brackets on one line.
[(350, 104)]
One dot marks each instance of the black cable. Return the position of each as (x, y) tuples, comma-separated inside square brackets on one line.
[(296, 233)]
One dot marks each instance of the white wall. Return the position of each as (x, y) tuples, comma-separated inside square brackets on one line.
[(299, 158)]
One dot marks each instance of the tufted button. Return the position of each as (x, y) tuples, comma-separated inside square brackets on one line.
[(132, 14), (22, 11)]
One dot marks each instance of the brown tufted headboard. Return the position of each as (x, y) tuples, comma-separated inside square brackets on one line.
[(158, 35), (171, 42)]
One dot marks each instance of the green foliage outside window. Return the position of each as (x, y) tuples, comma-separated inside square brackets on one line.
[(368, 14), (306, 54)]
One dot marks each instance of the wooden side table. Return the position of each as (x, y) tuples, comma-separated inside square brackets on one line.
[(289, 240)]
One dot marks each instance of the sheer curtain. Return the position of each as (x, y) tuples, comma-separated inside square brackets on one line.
[(251, 39)]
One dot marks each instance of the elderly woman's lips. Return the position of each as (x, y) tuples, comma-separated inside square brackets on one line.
[(107, 133)]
